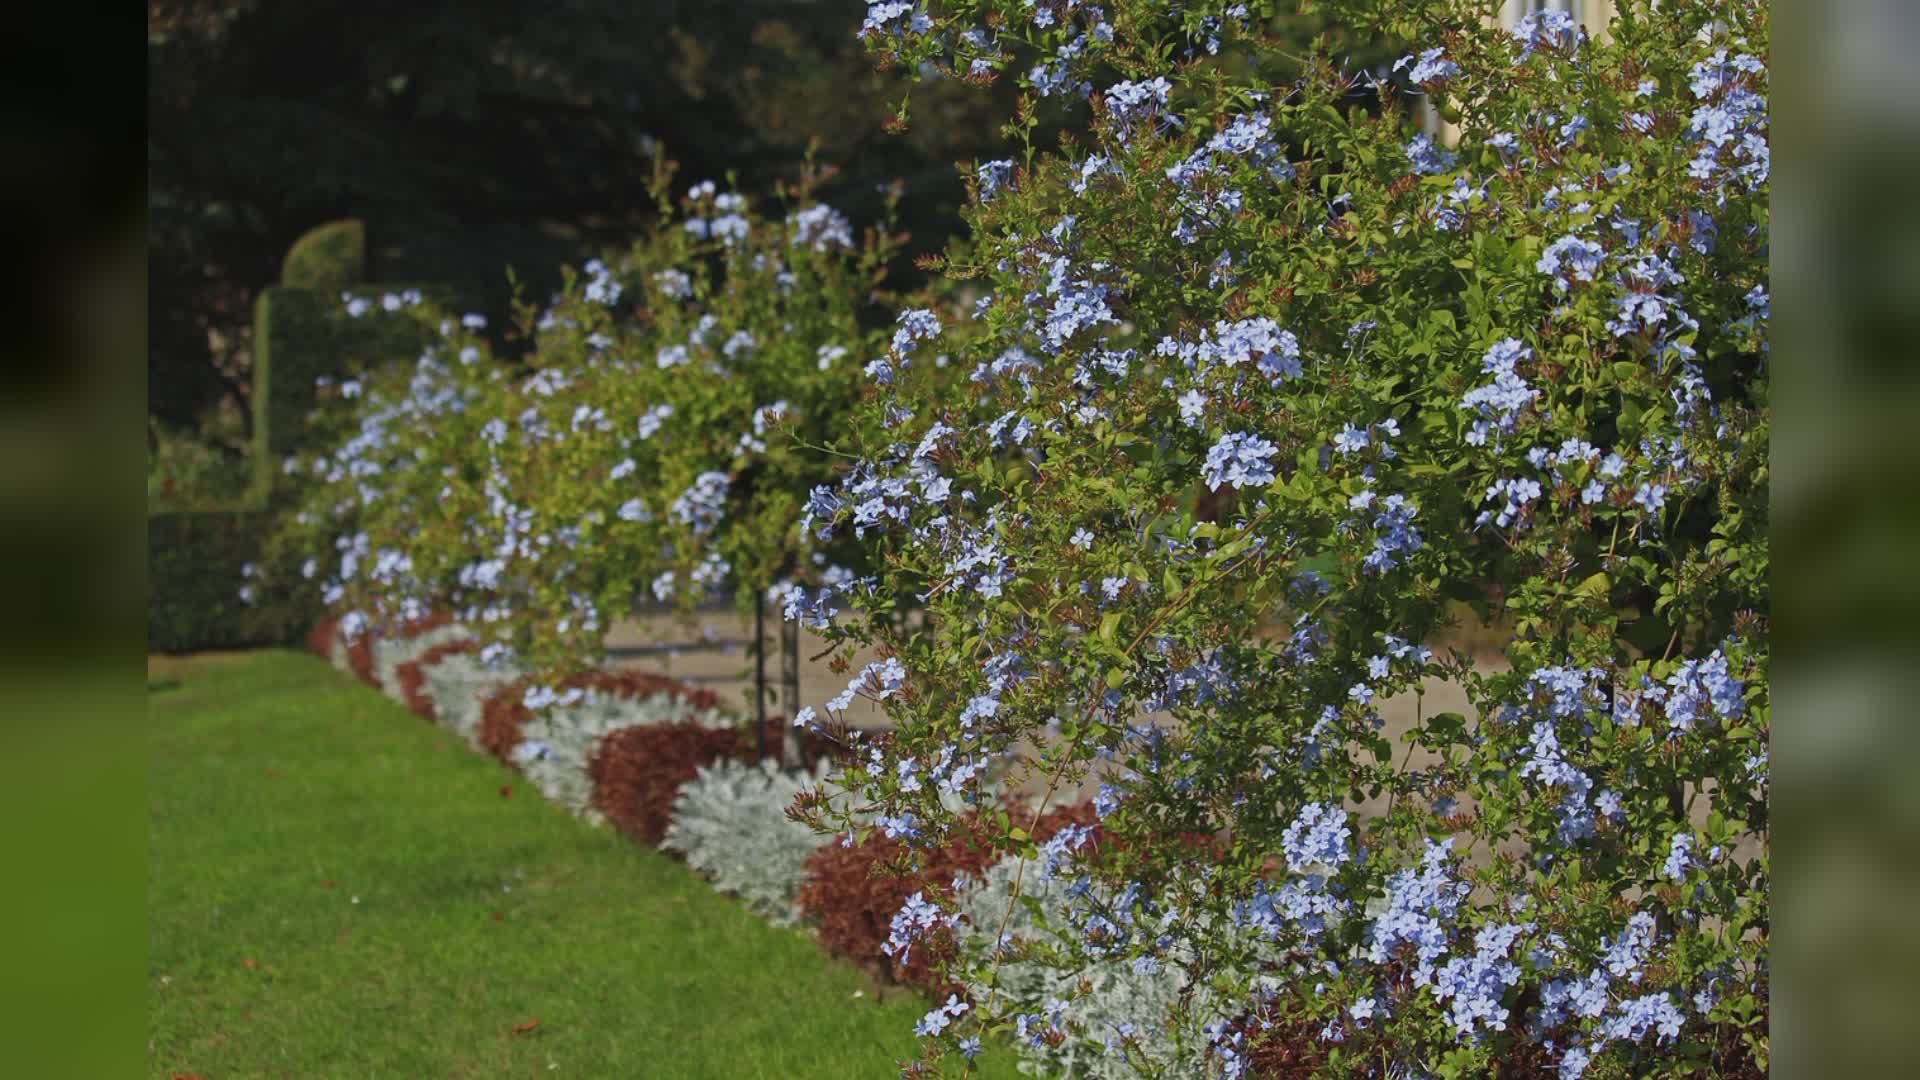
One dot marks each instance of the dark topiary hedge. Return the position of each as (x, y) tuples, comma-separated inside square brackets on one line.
[(329, 257), (194, 562), (194, 558)]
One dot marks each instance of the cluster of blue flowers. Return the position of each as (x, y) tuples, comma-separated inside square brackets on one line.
[(1241, 459)]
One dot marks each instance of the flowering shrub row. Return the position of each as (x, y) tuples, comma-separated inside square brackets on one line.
[(1257, 350), (650, 435), (1254, 352)]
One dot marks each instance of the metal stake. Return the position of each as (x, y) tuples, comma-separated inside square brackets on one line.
[(760, 673)]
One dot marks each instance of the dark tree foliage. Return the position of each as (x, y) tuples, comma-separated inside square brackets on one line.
[(473, 135)]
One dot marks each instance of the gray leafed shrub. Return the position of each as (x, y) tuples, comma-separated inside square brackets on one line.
[(730, 823)]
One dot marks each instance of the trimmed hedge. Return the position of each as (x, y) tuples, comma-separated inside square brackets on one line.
[(194, 558), (194, 562), (329, 257)]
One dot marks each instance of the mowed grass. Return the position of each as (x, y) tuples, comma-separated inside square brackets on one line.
[(336, 888)]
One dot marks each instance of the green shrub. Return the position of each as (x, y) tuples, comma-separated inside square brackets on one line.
[(195, 573), (327, 258), (196, 558)]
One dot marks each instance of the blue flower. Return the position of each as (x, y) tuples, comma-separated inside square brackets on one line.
[(1317, 834), (703, 503), (1651, 1013), (1078, 305), (673, 284), (1129, 102), (916, 325), (1395, 535), (1241, 459), (1570, 255), (820, 227), (1430, 66), (1679, 858), (1427, 157), (1550, 30), (994, 175), (1626, 956), (1193, 407), (1478, 984)]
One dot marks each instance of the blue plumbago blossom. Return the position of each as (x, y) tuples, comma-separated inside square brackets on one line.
[(882, 679), (1553, 31), (1506, 396), (1515, 494), (1704, 689), (1626, 956), (995, 175), (1055, 851), (1318, 835), (1564, 998), (1351, 440), (712, 571), (1570, 256), (635, 509), (703, 503), (821, 227), (673, 284), (1302, 903), (1244, 137), (884, 14), (1130, 102), (1056, 76), (1731, 123), (1477, 984), (903, 827), (1261, 341), (730, 229), (1395, 537), (1078, 303), (1643, 1015), (1421, 907), (601, 286), (1429, 66), (1241, 459), (651, 420), (916, 918), (813, 610), (1642, 308), (1428, 157), (936, 1021), (1679, 857), (1547, 763), (916, 325)]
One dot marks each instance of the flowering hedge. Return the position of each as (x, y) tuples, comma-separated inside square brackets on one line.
[(1257, 349), (654, 436)]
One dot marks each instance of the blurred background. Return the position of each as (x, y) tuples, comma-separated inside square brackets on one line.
[(1846, 501), (468, 137), (476, 135)]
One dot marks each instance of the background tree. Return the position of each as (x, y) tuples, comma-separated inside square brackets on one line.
[(483, 134)]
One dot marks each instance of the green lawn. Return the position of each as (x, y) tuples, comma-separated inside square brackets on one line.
[(338, 889)]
